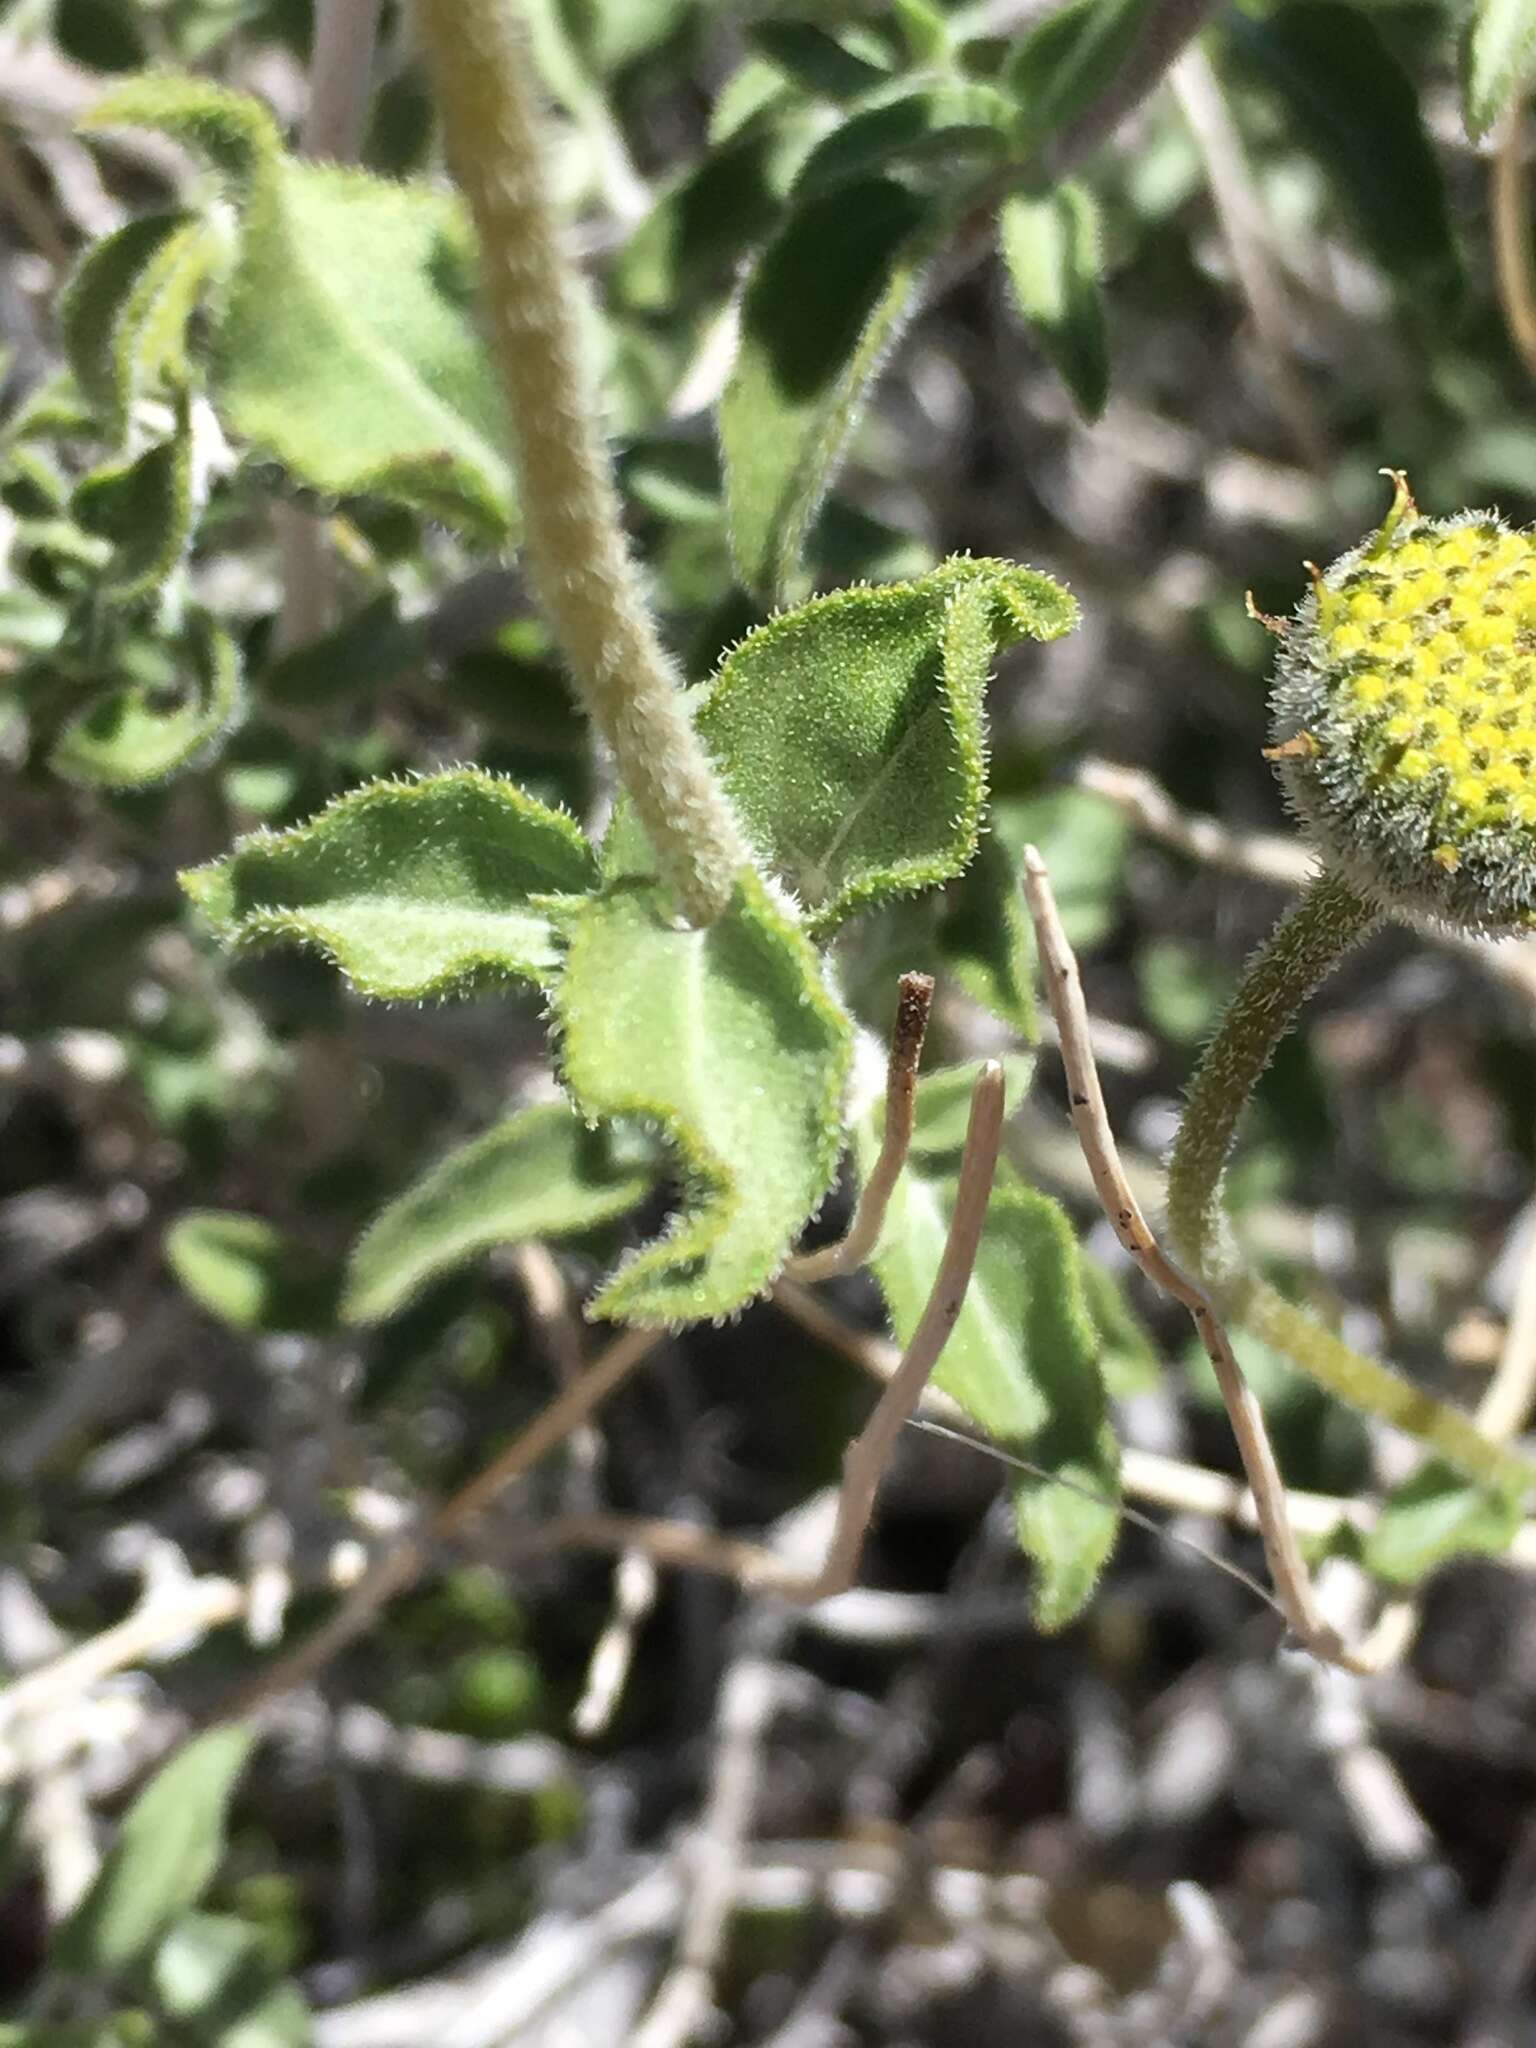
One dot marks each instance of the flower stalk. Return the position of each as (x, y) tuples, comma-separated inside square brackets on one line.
[(583, 573)]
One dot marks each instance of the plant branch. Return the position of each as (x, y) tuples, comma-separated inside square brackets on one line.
[(403, 1564), (913, 1003), (1064, 992), (586, 579)]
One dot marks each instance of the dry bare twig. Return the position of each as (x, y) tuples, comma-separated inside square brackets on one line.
[(1090, 1118), (913, 1003)]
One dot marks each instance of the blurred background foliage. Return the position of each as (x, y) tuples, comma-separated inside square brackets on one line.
[(1274, 275)]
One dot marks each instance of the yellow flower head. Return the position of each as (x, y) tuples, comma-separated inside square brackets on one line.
[(1405, 716)]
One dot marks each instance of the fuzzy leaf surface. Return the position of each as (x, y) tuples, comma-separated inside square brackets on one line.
[(540, 1174), (346, 346), (949, 119), (727, 1041), (1023, 1360), (825, 303), (167, 1849), (1498, 60), (145, 508), (123, 316), (140, 734), (1050, 247), (411, 888), (849, 732)]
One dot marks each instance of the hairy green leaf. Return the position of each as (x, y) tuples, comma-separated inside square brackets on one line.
[(166, 1852), (346, 345), (138, 735), (1128, 1358), (214, 1974), (1498, 60), (824, 305), (145, 508), (1436, 1515), (540, 1174), (1050, 246), (849, 732), (727, 1041), (246, 1272), (1357, 109), (1023, 1360), (944, 1106), (124, 313), (411, 888)]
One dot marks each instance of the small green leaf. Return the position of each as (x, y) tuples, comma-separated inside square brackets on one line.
[(166, 1852), (726, 1040), (1050, 246), (950, 119), (816, 60), (944, 1105), (1436, 1515), (849, 732), (215, 1974), (1084, 839), (246, 1272), (1354, 105), (346, 345), (145, 508), (140, 734), (411, 888), (985, 939), (1023, 1360), (541, 1174), (1128, 1358), (1498, 60), (124, 313), (1059, 67), (824, 306)]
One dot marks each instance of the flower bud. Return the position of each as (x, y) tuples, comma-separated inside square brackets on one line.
[(1405, 717)]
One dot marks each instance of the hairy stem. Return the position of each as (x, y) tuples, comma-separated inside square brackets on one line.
[(586, 580), (1309, 941)]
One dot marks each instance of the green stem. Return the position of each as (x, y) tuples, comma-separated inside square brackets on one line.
[(585, 577), (1309, 941), (1307, 944)]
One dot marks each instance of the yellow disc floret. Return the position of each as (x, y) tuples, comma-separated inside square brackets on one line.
[(1410, 673)]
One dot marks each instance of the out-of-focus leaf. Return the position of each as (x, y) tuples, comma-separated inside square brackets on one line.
[(1436, 1515), (140, 734), (1357, 109), (1050, 246), (246, 1272), (124, 313), (1183, 994), (123, 2030), (166, 1852), (411, 888), (1083, 839), (1128, 1358), (540, 1174), (346, 344), (951, 119), (720, 208), (145, 508), (727, 1041), (944, 1104), (824, 305), (985, 939), (849, 732), (1498, 59), (1024, 1361), (816, 60), (213, 1974), (1065, 62)]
